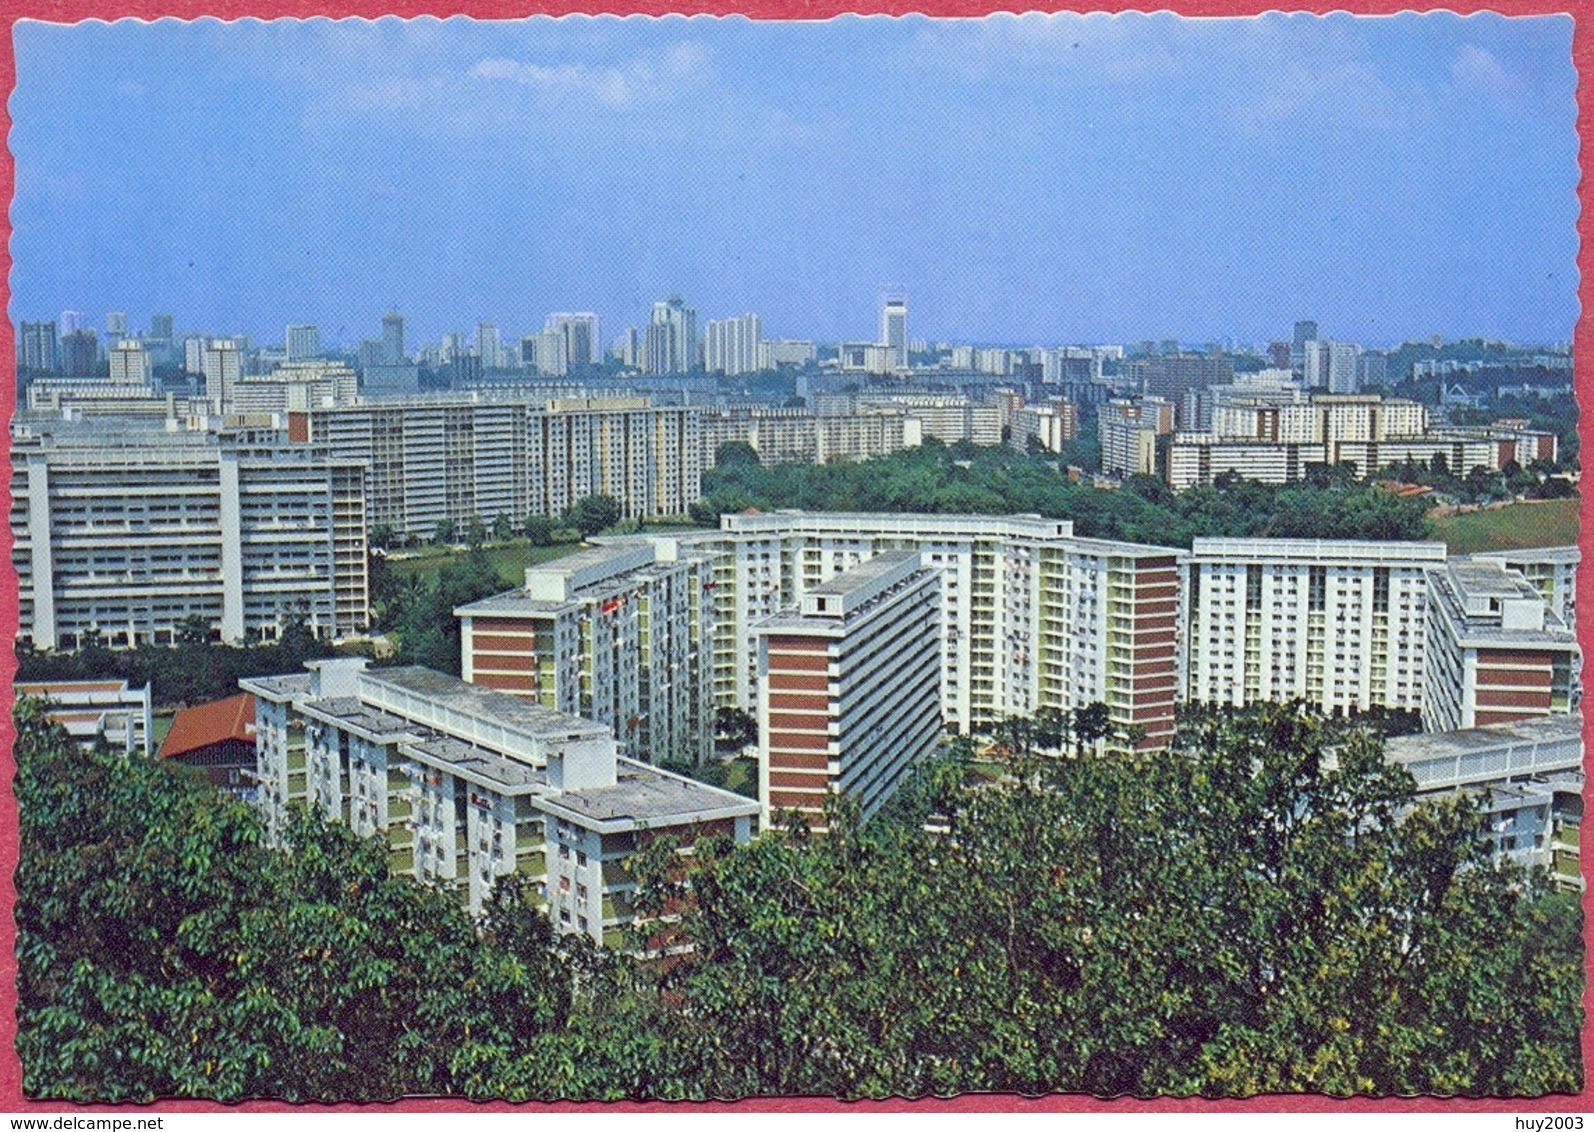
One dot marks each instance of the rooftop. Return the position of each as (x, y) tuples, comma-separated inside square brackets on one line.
[(207, 724), (1446, 744), (484, 704), (279, 689), (644, 796), (347, 711), (474, 764)]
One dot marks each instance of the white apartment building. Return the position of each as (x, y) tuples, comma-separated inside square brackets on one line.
[(1338, 624), (730, 345), (295, 386), (947, 419), (301, 343), (460, 458), (1051, 426), (849, 688), (1031, 615), (128, 533), (797, 436), (131, 363), (785, 352), (1128, 431), (620, 634), (1497, 652), (467, 785)]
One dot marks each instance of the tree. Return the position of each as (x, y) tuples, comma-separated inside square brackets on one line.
[(593, 513), (734, 728), (193, 630), (445, 532), (538, 529), (503, 527)]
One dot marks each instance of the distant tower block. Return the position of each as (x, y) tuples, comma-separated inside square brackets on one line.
[(894, 329)]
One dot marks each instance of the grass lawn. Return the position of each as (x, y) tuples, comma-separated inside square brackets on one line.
[(509, 559), (1549, 523)]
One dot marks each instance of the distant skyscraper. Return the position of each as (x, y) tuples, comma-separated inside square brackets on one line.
[(1279, 354), (80, 354), (39, 348), (160, 327), (302, 343), (116, 325), (894, 329), (489, 346), (1305, 331), (730, 345), (627, 348), (393, 338), (672, 337), (221, 361), (579, 331), (70, 321), (1342, 375)]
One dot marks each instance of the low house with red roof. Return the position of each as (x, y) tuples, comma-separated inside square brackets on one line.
[(217, 740)]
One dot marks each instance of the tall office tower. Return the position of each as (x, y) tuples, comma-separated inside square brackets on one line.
[(80, 354), (628, 348), (39, 349), (1305, 331), (849, 688), (894, 329), (160, 327), (489, 346), (222, 364), (672, 337), (71, 322), (393, 339), (548, 352), (1372, 369), (579, 331), (116, 324), (302, 343), (730, 345), (1278, 354), (130, 363)]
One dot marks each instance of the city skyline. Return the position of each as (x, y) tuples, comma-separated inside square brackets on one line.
[(463, 172)]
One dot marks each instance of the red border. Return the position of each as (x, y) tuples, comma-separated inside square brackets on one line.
[(66, 11)]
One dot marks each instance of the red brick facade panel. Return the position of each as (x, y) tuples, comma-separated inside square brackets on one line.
[(798, 682), (797, 644), (1515, 677), (1510, 658), (816, 662), (505, 683), (798, 721), (481, 625), (792, 760), (777, 701), (503, 662), (1499, 698), (798, 741)]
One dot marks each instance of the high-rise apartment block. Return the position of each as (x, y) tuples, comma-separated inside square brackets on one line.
[(788, 436), (80, 353), (849, 688), (1031, 615), (39, 349), (730, 345), (1050, 425), (1338, 624), (125, 535), (131, 363), (488, 346), (568, 342), (116, 325), (618, 634), (221, 363), (456, 459), (302, 343), (466, 785), (1128, 431), (160, 328), (672, 338), (393, 339), (1496, 651)]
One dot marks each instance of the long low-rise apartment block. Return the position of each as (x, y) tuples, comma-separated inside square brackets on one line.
[(124, 534), (467, 785)]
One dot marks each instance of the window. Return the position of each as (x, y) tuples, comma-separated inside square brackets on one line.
[(1317, 588)]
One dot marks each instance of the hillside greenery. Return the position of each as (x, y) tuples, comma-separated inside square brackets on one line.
[(1242, 915)]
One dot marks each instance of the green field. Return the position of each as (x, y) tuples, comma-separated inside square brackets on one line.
[(1513, 527), (509, 559)]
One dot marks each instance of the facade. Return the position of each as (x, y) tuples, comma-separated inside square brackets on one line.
[(782, 436), (455, 459), (393, 339), (221, 363), (39, 348), (127, 534), (617, 634), (849, 689), (1031, 616), (947, 419), (130, 363), (731, 345), (785, 352), (80, 353), (467, 785), (294, 386), (89, 709), (1168, 376), (1497, 653), (1338, 624)]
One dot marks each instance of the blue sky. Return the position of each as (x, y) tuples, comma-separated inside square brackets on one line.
[(1029, 180)]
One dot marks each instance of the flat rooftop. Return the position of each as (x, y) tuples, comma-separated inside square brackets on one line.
[(1447, 744), (347, 711), (646, 796), (278, 688), (485, 704), (474, 764), (865, 574)]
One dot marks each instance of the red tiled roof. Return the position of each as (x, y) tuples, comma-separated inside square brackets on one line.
[(196, 727)]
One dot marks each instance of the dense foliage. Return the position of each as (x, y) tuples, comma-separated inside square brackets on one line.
[(965, 479), (194, 670), (1248, 915), (419, 612)]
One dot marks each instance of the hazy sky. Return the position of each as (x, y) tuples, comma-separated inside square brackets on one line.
[(1029, 180)]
